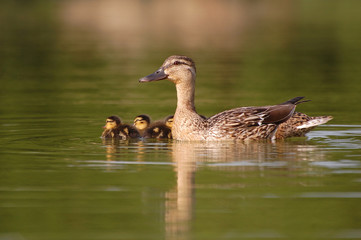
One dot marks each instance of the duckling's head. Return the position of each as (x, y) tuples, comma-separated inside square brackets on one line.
[(175, 68), (169, 121), (141, 122), (112, 122)]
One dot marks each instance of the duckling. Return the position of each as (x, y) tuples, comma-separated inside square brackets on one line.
[(141, 123), (115, 129), (169, 121), (158, 129), (243, 123)]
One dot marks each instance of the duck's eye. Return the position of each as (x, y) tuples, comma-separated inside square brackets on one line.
[(110, 121), (177, 63)]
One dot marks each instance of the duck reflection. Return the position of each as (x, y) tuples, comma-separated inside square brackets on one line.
[(188, 157), (180, 200), (226, 156)]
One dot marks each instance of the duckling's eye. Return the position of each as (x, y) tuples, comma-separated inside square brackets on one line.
[(109, 121), (177, 63)]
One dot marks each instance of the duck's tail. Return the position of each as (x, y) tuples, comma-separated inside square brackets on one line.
[(314, 121), (296, 101), (299, 124)]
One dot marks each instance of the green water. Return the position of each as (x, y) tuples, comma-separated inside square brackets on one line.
[(66, 66)]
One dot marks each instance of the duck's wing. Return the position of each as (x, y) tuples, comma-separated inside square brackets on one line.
[(262, 120), (253, 116)]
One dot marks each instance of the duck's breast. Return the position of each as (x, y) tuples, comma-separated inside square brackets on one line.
[(189, 126)]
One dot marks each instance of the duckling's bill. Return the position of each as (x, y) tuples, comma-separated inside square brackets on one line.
[(157, 75)]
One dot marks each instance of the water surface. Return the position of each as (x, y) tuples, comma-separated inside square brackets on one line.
[(68, 65)]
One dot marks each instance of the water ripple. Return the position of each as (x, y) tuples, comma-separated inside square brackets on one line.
[(337, 164)]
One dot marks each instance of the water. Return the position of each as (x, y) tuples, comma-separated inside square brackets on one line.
[(66, 66)]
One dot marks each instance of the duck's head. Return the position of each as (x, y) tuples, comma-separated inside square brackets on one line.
[(112, 122), (169, 121), (141, 122), (175, 68)]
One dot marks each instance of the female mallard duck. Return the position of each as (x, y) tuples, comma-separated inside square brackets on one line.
[(244, 123), (158, 129), (114, 128)]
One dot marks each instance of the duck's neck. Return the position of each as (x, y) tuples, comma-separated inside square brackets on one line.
[(185, 96)]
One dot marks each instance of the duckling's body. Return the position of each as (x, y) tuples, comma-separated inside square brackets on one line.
[(158, 129), (244, 123), (114, 128)]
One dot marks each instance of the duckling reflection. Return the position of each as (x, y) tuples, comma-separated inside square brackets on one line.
[(111, 147), (114, 147)]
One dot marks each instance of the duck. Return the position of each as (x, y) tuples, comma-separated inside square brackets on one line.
[(242, 123), (159, 129), (114, 128)]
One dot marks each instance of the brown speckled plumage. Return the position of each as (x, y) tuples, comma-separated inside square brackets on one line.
[(299, 124), (245, 123)]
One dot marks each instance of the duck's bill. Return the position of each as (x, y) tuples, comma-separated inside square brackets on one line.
[(158, 75)]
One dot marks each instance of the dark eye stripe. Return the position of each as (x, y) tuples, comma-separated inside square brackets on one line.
[(177, 62), (180, 63)]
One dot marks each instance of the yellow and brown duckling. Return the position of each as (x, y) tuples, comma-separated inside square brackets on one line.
[(169, 121), (114, 128), (243, 123), (158, 129), (141, 123)]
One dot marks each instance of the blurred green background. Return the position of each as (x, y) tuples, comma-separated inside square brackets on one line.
[(85, 57)]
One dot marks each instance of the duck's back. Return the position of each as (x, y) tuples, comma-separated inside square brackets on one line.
[(245, 123)]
